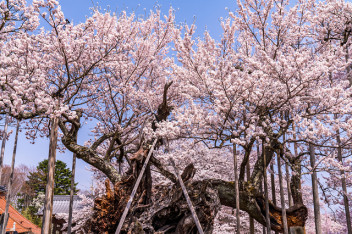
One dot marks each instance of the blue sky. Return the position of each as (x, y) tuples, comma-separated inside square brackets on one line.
[(205, 14)]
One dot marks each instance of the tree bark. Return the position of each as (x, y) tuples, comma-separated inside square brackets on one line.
[(170, 209), (8, 192), (88, 154), (317, 217), (254, 204), (3, 144), (49, 193)]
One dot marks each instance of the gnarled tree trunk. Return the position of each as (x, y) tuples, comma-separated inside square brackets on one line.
[(168, 212)]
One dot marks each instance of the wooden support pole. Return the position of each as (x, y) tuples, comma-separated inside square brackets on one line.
[(282, 196), (69, 225), (315, 191), (297, 230), (344, 186), (261, 184), (188, 199), (288, 185), (272, 180), (3, 144), (237, 192), (251, 220), (134, 190), (49, 192), (267, 214), (9, 186)]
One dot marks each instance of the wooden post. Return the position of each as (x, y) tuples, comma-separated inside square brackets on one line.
[(71, 193), (251, 220), (134, 190), (297, 230), (267, 214), (295, 147), (189, 202), (261, 184), (315, 191), (8, 192), (272, 180), (282, 196), (49, 193), (288, 185), (237, 192), (3, 143), (344, 187)]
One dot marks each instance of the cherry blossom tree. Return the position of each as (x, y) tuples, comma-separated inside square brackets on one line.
[(279, 78), (272, 69)]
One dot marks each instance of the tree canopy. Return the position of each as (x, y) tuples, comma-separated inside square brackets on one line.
[(276, 85)]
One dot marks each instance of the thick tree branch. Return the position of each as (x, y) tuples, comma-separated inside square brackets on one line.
[(162, 170), (87, 154), (254, 205)]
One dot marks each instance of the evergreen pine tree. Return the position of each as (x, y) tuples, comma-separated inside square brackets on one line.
[(37, 180)]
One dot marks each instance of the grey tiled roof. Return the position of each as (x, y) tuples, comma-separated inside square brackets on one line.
[(61, 204), (2, 189)]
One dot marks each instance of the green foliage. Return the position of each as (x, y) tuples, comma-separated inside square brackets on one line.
[(35, 188), (29, 213), (37, 180)]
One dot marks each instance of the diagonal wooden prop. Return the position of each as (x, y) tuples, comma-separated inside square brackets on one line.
[(125, 212), (194, 214)]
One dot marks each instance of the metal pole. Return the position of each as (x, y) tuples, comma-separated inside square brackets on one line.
[(134, 190)]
